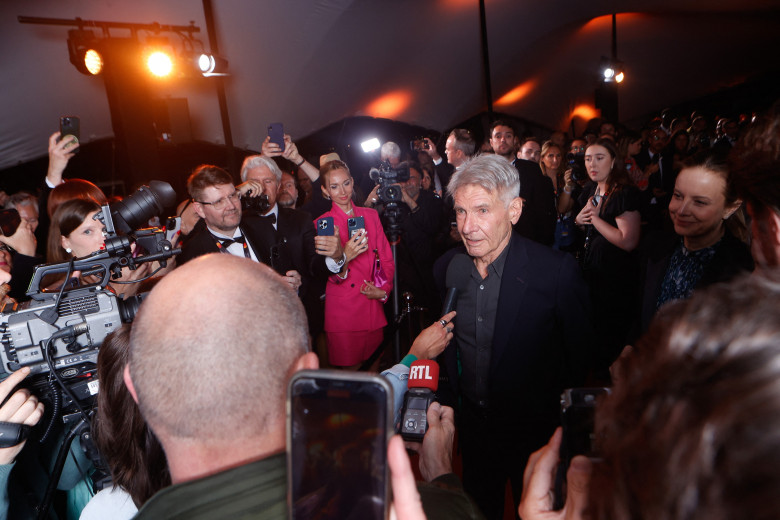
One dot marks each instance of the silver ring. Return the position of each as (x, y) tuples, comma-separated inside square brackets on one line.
[(443, 323), (449, 329)]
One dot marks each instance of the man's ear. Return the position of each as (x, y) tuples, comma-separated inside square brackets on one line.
[(198, 207), (515, 209), (129, 383), (308, 361)]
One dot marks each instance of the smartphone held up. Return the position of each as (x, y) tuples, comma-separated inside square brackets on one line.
[(338, 427)]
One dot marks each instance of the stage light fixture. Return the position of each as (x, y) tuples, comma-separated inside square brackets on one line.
[(212, 65), (619, 77), (83, 53), (93, 61), (370, 145)]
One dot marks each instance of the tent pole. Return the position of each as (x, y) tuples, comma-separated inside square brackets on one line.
[(486, 58), (208, 12)]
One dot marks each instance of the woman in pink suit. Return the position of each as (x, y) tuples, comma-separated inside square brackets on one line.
[(354, 317)]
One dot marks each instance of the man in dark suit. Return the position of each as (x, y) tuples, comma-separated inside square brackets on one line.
[(539, 212), (291, 248), (522, 335)]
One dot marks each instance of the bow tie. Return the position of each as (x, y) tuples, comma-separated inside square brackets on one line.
[(227, 242), (269, 218)]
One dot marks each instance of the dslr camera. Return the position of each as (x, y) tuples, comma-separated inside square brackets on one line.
[(576, 163), (388, 179)]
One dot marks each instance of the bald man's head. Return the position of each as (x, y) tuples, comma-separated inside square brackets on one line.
[(212, 348)]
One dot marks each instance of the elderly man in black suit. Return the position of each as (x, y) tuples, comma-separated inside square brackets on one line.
[(523, 333), (291, 248)]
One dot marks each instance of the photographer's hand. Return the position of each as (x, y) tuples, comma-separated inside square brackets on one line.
[(330, 245), (432, 341), (250, 188), (539, 484), (21, 408), (436, 448), (373, 197), (408, 200), (22, 241), (431, 149)]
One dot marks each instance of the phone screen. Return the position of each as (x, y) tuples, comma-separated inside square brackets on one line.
[(337, 433)]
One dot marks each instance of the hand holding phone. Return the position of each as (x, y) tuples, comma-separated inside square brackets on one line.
[(70, 128), (276, 133), (355, 224), (325, 227), (578, 410)]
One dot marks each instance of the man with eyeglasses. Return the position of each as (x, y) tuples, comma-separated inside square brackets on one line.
[(222, 229)]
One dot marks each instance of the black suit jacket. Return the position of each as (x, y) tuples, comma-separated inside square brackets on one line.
[(201, 242), (293, 248), (542, 341), (537, 221)]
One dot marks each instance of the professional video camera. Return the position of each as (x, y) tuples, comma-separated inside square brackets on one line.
[(576, 163), (60, 331), (388, 179), (57, 333)]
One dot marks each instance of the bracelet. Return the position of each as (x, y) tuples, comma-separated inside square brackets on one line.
[(300, 163), (384, 298), (408, 360)]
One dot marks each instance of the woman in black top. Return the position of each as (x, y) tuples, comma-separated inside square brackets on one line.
[(610, 215)]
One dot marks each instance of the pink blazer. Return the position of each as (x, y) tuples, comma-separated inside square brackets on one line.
[(346, 309)]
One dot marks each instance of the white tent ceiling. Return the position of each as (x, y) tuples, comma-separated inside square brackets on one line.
[(309, 63)]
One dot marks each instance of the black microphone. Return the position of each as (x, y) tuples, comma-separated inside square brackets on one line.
[(449, 301)]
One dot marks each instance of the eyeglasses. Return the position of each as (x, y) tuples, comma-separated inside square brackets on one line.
[(223, 202)]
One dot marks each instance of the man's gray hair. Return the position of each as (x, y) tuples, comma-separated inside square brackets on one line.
[(23, 198), (492, 173), (390, 149), (254, 161)]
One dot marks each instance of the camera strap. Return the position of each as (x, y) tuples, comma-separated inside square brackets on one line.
[(12, 434)]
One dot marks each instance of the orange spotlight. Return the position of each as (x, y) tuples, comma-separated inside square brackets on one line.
[(584, 111), (390, 105), (516, 94), (159, 63)]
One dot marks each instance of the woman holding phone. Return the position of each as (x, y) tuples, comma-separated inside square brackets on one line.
[(354, 313), (610, 216)]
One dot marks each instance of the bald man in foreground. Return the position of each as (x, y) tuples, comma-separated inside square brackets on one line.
[(212, 349)]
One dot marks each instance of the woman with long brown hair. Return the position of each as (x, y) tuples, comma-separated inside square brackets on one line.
[(610, 216)]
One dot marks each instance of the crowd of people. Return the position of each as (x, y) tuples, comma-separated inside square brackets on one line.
[(562, 252)]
